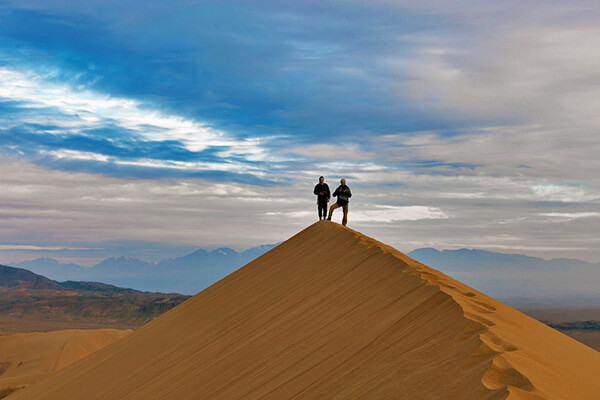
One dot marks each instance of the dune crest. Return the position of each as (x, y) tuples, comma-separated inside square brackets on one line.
[(334, 314)]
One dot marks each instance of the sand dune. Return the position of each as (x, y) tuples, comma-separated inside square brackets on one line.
[(29, 357), (333, 314)]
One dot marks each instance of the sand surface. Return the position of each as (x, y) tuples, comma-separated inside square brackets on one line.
[(30, 357), (333, 314)]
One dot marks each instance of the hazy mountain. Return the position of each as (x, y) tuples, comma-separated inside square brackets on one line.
[(121, 265), (30, 298), (519, 279), (12, 277), (514, 278), (482, 259), (188, 274), (52, 268)]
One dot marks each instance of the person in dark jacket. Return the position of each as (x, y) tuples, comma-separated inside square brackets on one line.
[(323, 195), (343, 195)]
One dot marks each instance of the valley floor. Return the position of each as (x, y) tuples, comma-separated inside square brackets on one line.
[(580, 323)]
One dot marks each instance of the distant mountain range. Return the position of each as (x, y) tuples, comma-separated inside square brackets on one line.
[(188, 274), (28, 296), (514, 278), (518, 279)]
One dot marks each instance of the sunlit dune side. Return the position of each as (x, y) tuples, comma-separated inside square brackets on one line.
[(29, 357), (331, 313)]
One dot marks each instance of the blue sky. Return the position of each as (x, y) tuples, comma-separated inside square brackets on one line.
[(179, 124)]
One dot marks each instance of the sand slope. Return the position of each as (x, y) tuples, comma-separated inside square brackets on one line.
[(333, 314), (29, 357)]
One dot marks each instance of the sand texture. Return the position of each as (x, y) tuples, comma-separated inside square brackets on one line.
[(30, 357), (333, 314)]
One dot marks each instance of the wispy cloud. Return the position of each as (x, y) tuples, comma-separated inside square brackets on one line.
[(391, 214), (571, 215), (84, 125), (5, 247), (381, 214)]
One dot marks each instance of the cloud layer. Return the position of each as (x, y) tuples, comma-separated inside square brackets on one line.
[(464, 125)]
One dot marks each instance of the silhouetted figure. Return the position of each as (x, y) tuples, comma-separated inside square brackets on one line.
[(343, 195), (323, 196)]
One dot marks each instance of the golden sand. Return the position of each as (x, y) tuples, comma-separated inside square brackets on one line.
[(29, 357)]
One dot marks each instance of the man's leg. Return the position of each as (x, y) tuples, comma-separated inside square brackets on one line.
[(333, 207), (345, 220), (322, 210)]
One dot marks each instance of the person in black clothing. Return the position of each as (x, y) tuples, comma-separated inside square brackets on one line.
[(323, 196), (343, 195)]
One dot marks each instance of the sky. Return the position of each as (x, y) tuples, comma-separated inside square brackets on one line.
[(154, 128)]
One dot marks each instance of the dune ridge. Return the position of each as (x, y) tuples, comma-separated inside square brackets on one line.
[(514, 359), (331, 313)]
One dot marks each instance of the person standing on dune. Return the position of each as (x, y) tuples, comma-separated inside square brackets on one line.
[(323, 195), (343, 195)]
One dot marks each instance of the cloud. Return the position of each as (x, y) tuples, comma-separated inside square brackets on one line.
[(522, 91), (260, 69), (5, 247), (51, 208), (390, 214), (564, 193), (78, 110), (60, 123), (346, 152), (381, 214), (534, 62), (572, 215)]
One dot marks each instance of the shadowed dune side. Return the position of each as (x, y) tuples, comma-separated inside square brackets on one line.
[(331, 313), (29, 357)]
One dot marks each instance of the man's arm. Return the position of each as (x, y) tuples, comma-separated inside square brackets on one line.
[(316, 190), (336, 192), (327, 192), (348, 192)]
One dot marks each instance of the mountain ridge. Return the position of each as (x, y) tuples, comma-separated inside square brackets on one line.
[(426, 251), (29, 299), (187, 274), (566, 282), (519, 279)]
